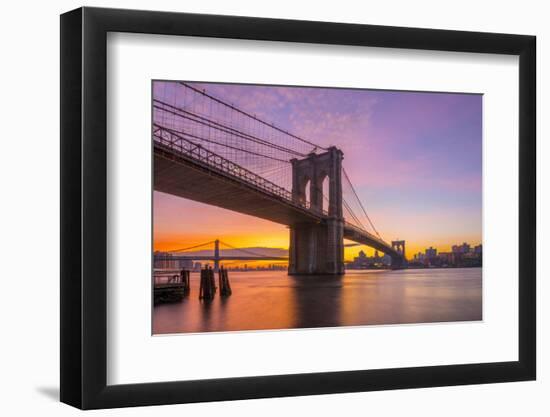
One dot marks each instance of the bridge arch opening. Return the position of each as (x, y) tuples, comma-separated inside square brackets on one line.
[(307, 193), (325, 196)]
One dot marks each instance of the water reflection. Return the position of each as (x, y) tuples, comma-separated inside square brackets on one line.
[(206, 313), (272, 300), (321, 310)]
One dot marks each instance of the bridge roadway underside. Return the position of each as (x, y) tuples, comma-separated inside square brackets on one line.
[(185, 178), (351, 234)]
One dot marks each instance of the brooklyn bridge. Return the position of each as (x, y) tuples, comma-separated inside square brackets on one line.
[(208, 150)]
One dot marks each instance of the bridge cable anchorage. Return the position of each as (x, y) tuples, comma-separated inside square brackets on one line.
[(192, 247), (360, 204), (251, 116)]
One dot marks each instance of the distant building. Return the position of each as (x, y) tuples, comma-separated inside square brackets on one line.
[(431, 253), (419, 257), (162, 260), (464, 248), (361, 261), (460, 256), (446, 258), (186, 264)]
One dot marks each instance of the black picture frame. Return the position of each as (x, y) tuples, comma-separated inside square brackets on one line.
[(84, 207)]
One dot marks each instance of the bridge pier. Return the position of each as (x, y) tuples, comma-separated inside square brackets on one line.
[(318, 248), (397, 262)]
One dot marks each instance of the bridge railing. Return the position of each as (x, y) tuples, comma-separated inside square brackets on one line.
[(177, 141)]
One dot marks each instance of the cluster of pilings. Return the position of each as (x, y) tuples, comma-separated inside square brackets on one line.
[(178, 286), (207, 289)]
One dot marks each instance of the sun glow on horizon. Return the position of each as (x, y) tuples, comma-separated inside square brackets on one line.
[(264, 234)]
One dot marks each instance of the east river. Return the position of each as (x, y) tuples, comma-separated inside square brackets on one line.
[(273, 300)]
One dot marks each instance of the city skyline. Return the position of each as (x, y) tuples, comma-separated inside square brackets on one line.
[(415, 159), (430, 251)]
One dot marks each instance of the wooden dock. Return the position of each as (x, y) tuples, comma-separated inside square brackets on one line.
[(174, 289)]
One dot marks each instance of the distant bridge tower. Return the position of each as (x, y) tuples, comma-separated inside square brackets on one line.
[(216, 255), (318, 248), (399, 247)]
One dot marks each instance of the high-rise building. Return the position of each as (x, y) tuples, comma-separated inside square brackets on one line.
[(162, 260), (361, 261), (420, 257), (431, 253), (464, 248)]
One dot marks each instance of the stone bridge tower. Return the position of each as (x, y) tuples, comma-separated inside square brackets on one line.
[(318, 248), (399, 247)]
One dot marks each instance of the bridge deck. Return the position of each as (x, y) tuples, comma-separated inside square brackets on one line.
[(206, 184), (365, 238)]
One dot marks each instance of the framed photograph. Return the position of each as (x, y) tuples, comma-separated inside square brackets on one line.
[(259, 208)]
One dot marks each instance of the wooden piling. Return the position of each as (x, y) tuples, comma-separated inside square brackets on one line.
[(207, 284), (212, 281), (225, 287), (227, 283), (184, 279), (203, 283)]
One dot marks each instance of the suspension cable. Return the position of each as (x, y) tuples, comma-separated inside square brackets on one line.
[(259, 255), (251, 116), (221, 127), (177, 133), (192, 247), (360, 204)]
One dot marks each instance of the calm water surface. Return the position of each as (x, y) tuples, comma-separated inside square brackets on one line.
[(274, 300)]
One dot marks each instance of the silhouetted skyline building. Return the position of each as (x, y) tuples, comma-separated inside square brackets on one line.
[(461, 255)]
